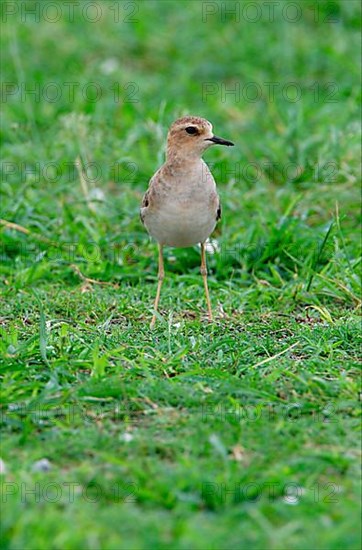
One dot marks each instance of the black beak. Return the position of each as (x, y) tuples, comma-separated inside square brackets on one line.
[(220, 141)]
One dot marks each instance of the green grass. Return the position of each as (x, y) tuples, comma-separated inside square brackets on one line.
[(243, 433)]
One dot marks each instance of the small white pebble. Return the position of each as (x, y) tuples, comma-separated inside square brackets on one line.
[(292, 500), (109, 66), (293, 496), (97, 194), (42, 465), (212, 246), (2, 467), (126, 437)]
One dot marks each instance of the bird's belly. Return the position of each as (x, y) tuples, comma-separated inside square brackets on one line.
[(181, 226)]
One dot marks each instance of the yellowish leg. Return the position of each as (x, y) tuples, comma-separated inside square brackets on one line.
[(161, 275), (204, 276)]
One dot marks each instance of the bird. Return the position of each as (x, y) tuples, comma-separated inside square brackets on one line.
[(181, 205)]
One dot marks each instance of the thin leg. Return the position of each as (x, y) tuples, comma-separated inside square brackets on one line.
[(161, 275), (204, 276)]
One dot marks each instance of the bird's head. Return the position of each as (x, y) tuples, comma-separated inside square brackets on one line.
[(190, 136)]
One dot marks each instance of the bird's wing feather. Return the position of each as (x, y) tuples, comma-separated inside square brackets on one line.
[(144, 204)]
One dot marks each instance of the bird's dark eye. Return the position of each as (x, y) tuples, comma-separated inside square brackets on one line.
[(191, 130)]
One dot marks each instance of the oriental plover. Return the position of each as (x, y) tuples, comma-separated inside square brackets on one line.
[(181, 206)]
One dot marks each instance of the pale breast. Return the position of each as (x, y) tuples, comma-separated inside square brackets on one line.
[(182, 213), (181, 225)]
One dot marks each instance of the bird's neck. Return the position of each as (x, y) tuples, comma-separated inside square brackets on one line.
[(193, 169), (180, 158)]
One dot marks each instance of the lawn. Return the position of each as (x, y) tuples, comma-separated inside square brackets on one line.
[(242, 433)]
